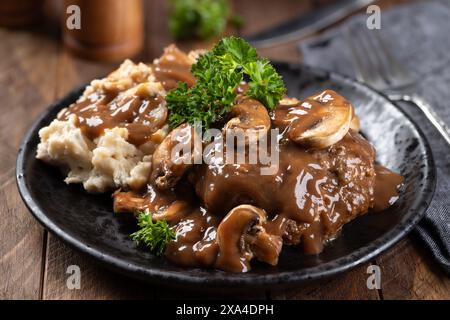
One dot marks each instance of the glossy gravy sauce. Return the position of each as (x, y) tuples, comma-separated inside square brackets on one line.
[(173, 67), (387, 184), (143, 116)]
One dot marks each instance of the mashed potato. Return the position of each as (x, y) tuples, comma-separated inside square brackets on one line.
[(114, 157), (109, 161), (106, 163)]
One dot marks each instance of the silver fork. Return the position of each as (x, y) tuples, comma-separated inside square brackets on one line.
[(377, 66)]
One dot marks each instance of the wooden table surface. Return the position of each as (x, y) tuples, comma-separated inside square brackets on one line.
[(35, 70)]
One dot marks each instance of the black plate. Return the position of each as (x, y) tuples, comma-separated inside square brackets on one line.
[(87, 222)]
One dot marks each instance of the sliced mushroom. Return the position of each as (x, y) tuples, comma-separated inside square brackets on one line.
[(355, 124), (241, 236), (174, 156), (287, 111), (326, 122), (287, 101), (162, 207), (125, 202), (174, 212), (250, 118)]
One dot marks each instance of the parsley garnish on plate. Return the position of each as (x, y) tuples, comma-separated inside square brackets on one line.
[(219, 72), (154, 235)]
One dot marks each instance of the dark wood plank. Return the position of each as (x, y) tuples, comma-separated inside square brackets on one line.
[(96, 282), (157, 31), (27, 82), (409, 272), (350, 285), (21, 250), (73, 72)]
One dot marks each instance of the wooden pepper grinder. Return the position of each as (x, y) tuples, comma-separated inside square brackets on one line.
[(110, 30), (14, 13)]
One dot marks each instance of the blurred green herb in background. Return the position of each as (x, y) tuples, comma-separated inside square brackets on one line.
[(199, 18)]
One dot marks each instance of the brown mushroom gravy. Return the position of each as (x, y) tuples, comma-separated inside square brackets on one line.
[(386, 188), (225, 215), (142, 114), (173, 66), (314, 193), (143, 117)]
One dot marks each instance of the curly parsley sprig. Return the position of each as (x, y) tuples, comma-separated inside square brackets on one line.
[(219, 72), (154, 235)]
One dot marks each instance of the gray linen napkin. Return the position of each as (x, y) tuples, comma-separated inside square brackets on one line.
[(419, 35)]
